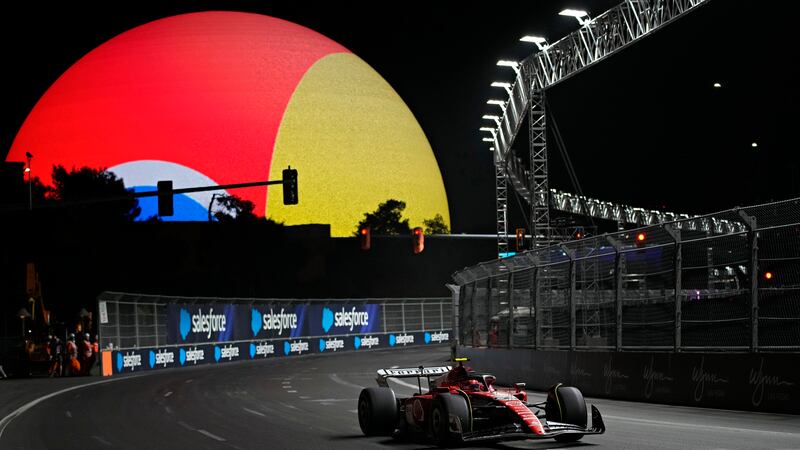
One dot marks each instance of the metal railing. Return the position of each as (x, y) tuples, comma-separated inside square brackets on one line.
[(136, 321), (687, 285)]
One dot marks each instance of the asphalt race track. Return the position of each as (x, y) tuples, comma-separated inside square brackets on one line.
[(310, 402)]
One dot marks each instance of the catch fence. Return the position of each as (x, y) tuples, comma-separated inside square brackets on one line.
[(728, 281)]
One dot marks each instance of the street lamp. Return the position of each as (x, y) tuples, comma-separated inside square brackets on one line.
[(30, 181), (580, 15), (539, 41), (23, 314)]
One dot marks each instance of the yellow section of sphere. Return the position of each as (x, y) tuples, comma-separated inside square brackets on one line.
[(355, 144)]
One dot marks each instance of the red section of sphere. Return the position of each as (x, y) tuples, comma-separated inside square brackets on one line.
[(204, 90)]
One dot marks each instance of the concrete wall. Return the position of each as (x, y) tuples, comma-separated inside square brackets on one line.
[(747, 381)]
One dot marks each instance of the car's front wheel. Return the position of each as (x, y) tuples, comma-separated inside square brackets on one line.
[(565, 404), (450, 417)]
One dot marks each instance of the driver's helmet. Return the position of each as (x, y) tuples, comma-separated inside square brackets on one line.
[(471, 385)]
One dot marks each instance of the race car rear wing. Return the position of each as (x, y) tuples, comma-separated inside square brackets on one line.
[(412, 372)]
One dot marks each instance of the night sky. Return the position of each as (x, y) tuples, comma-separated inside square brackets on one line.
[(645, 127)]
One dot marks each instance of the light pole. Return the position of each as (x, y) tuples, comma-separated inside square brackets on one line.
[(30, 184)]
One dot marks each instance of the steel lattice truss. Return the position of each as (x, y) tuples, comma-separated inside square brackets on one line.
[(595, 40)]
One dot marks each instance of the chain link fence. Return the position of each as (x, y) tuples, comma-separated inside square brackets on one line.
[(135, 321), (727, 281)]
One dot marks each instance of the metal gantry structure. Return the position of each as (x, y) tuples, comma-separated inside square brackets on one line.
[(596, 39)]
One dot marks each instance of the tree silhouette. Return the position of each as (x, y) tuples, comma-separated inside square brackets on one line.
[(386, 219), (234, 209), (436, 225), (89, 190)]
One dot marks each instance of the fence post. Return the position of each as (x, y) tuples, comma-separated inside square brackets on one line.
[(571, 295), (676, 236), (753, 235), (617, 289), (535, 300), (510, 299)]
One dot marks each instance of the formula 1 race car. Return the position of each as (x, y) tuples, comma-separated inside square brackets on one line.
[(461, 406)]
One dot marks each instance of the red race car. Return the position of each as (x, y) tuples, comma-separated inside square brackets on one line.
[(462, 405)]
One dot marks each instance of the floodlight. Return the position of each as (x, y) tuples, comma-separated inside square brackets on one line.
[(582, 16), (539, 41), (505, 63)]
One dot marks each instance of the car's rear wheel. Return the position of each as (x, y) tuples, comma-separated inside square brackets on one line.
[(377, 411), (445, 407), (565, 404)]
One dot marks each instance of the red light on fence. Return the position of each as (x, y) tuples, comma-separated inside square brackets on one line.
[(641, 237), (419, 240), (768, 275), (364, 238)]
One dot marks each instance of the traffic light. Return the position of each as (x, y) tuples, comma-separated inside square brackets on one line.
[(364, 237), (165, 207), (419, 240), (520, 238), (290, 186)]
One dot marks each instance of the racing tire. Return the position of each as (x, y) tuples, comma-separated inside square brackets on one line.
[(377, 411), (565, 404), (445, 407)]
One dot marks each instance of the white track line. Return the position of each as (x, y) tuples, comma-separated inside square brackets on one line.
[(13, 415), (699, 426), (211, 435), (335, 378), (251, 411)]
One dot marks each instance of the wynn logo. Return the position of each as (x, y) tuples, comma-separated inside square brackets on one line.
[(611, 374), (700, 377), (650, 376), (760, 380)]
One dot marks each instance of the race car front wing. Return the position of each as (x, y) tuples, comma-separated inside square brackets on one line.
[(552, 429)]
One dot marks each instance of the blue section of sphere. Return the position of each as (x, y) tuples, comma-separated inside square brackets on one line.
[(185, 208)]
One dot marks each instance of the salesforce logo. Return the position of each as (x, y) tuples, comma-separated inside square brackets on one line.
[(255, 321), (207, 323), (201, 323), (295, 347), (226, 352), (160, 358), (278, 321), (401, 339), (344, 319), (192, 355), (327, 319), (330, 344), (261, 349), (128, 361), (366, 341), (437, 337), (185, 323)]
